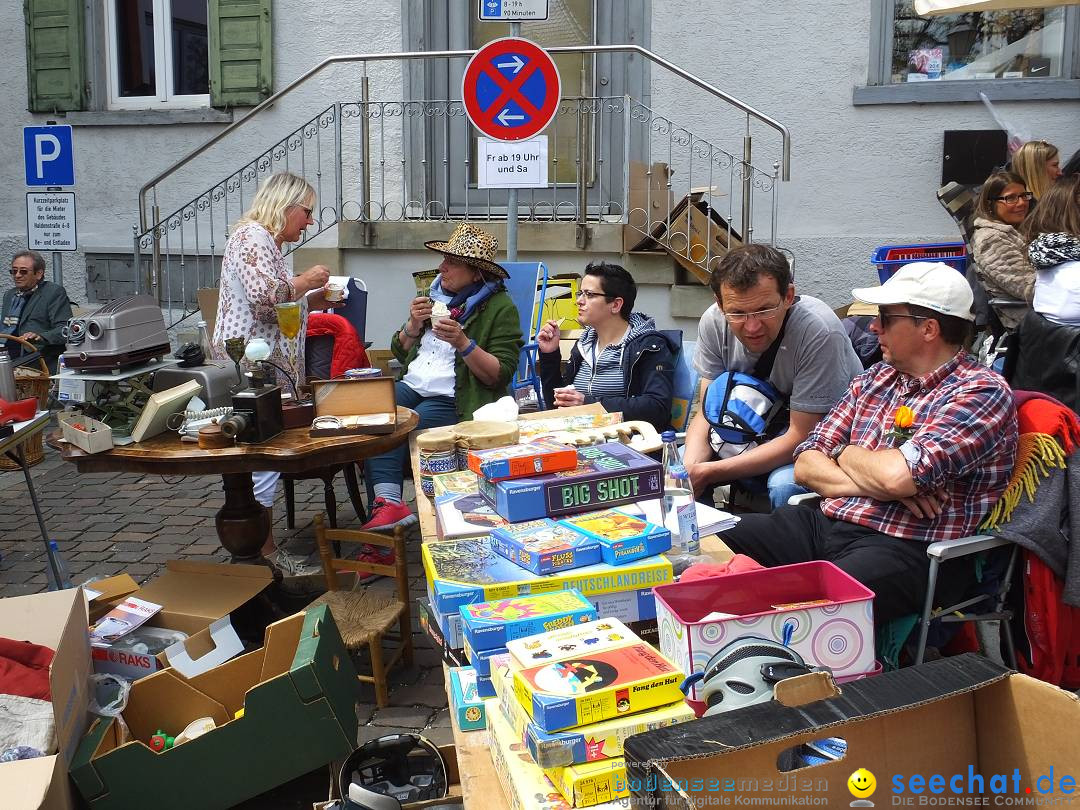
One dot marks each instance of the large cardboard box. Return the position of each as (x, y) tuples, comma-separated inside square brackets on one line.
[(193, 595), (932, 734), (299, 693), (58, 621)]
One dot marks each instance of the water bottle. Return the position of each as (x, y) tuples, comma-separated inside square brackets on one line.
[(7, 378), (679, 499), (64, 580)]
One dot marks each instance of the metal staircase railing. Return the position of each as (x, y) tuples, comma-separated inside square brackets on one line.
[(626, 164)]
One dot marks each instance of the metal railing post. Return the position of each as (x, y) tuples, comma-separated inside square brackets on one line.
[(583, 233), (339, 197), (365, 165), (137, 274), (154, 285), (747, 187)]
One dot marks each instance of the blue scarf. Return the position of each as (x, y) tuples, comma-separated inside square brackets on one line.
[(464, 302)]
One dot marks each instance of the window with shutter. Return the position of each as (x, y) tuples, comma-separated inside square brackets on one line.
[(54, 55), (240, 40)]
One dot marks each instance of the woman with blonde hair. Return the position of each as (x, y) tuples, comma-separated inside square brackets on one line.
[(1000, 249), (255, 278), (1038, 164)]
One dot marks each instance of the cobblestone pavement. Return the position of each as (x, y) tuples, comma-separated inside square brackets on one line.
[(108, 523)]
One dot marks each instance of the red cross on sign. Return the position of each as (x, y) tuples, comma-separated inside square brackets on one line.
[(511, 89)]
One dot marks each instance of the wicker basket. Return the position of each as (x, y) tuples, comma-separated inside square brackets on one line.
[(30, 382)]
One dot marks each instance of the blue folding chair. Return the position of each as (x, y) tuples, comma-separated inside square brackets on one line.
[(527, 286)]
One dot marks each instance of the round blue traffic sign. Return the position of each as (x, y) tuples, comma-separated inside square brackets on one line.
[(511, 89)]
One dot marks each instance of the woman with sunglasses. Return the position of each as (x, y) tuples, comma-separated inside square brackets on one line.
[(1039, 165), (1053, 232), (620, 361), (1000, 250)]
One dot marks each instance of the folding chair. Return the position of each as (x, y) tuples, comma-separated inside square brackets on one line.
[(527, 287)]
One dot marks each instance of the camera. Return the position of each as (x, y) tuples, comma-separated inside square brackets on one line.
[(256, 416)]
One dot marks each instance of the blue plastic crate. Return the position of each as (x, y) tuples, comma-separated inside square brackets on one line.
[(888, 258)]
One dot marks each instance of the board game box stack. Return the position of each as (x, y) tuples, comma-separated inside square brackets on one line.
[(488, 626), (594, 667), (606, 475)]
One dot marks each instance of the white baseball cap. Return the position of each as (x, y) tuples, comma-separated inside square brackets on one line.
[(933, 285)]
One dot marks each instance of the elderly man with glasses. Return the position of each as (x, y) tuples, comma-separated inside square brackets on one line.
[(917, 451), (759, 326), (34, 309)]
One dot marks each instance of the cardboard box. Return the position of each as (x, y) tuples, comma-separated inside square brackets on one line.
[(58, 621), (193, 596), (370, 399), (963, 717), (89, 435), (837, 633), (608, 474), (299, 694)]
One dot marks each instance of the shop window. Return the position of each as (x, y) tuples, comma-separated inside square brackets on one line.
[(1022, 44)]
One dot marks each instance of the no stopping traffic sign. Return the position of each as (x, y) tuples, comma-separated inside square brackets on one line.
[(511, 89)]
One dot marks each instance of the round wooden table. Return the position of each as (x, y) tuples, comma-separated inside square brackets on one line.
[(242, 523)]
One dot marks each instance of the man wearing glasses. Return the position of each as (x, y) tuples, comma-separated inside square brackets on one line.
[(34, 309), (917, 451), (757, 313)]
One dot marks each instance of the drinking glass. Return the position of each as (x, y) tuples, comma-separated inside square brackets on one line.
[(288, 318)]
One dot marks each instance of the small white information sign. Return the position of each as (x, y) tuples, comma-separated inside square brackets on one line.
[(50, 220), (512, 10), (520, 164)]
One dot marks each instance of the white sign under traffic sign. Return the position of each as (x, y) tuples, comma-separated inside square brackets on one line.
[(50, 220), (512, 10), (521, 164)]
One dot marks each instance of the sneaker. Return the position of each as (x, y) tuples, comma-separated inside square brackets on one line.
[(385, 516), (296, 565), (369, 554)]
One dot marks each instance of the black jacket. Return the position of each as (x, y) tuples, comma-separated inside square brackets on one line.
[(45, 312), (648, 372)]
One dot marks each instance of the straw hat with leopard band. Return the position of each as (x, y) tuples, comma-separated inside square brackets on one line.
[(472, 246)]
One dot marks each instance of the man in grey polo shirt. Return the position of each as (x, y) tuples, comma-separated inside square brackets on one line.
[(814, 361)]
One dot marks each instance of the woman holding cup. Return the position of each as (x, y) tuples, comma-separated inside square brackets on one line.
[(255, 280)]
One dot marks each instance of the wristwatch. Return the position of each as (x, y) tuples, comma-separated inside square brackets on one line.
[(834, 454)]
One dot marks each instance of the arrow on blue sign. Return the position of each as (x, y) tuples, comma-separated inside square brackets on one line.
[(516, 65), (506, 119)]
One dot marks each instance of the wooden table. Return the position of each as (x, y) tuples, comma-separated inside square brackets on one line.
[(242, 523)]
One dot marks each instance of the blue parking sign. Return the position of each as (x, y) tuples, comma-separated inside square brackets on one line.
[(49, 156)]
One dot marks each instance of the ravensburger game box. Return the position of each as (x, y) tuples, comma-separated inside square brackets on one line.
[(591, 636), (597, 686), (460, 572), (590, 784), (589, 743), (544, 546), (488, 625), (623, 537), (608, 474)]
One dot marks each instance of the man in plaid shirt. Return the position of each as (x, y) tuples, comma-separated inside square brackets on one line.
[(918, 450)]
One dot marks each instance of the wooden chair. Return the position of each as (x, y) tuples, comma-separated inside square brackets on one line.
[(364, 617)]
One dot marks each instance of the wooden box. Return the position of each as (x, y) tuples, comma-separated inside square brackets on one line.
[(363, 405)]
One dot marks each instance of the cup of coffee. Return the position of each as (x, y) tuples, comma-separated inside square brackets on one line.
[(334, 292)]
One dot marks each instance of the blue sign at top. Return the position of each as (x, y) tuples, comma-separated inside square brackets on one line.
[(510, 10), (49, 156)]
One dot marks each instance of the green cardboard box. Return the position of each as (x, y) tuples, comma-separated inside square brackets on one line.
[(299, 693)]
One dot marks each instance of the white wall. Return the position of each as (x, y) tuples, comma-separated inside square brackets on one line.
[(860, 176)]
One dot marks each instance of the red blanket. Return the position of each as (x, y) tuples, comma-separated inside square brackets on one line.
[(24, 669), (348, 350)]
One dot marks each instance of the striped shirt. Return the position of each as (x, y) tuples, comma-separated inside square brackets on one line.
[(964, 443), (601, 372)]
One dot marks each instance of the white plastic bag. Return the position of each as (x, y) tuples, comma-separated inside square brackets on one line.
[(1017, 137)]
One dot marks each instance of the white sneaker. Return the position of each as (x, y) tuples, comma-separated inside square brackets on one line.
[(296, 565)]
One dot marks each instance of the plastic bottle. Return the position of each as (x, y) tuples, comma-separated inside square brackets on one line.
[(204, 340), (678, 499), (61, 568)]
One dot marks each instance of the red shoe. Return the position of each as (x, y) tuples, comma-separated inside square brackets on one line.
[(370, 554), (20, 411), (385, 516)]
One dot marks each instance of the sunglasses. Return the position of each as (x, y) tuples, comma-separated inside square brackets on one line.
[(21, 271)]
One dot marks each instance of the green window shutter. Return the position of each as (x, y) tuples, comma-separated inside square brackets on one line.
[(240, 40), (54, 55)]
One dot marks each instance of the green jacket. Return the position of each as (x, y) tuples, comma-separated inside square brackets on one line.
[(496, 328)]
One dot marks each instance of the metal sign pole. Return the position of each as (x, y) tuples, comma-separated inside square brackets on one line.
[(57, 269), (512, 194)]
